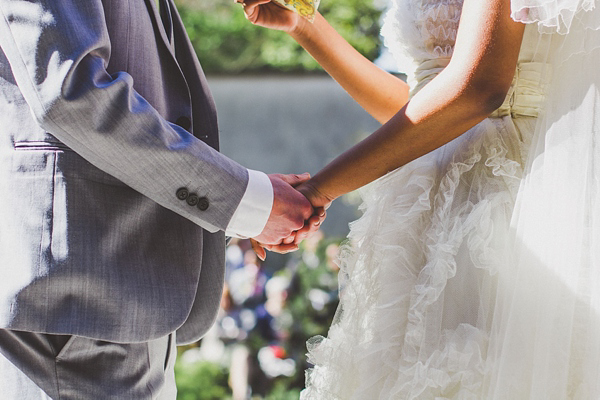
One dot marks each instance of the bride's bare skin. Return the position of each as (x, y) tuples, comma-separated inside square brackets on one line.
[(474, 84)]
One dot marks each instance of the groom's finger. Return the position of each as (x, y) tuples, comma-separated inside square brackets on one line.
[(282, 248), (289, 239), (258, 249)]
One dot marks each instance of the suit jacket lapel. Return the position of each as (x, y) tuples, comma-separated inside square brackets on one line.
[(167, 19), (159, 26)]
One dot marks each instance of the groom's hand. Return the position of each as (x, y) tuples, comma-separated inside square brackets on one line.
[(289, 244), (290, 209), (311, 226)]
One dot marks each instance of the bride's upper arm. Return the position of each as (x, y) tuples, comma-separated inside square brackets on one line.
[(486, 49)]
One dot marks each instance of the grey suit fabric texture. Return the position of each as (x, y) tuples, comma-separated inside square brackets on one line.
[(42, 367), (104, 116)]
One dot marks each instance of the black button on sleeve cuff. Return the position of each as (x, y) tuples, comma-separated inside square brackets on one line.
[(192, 199), (203, 203), (182, 193)]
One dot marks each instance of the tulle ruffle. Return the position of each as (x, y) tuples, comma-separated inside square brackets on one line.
[(395, 335), (558, 16), (417, 31), (571, 27)]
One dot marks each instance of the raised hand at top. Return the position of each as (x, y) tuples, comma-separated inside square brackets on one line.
[(269, 14)]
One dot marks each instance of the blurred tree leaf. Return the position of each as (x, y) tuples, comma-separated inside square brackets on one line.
[(201, 381), (227, 43)]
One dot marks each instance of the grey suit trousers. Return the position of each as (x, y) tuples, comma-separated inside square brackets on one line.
[(40, 366)]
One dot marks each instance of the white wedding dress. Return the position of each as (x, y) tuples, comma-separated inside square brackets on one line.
[(474, 272)]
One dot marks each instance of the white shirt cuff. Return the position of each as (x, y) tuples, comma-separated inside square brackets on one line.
[(251, 215)]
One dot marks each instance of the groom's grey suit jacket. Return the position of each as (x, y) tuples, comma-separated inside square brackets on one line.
[(104, 115)]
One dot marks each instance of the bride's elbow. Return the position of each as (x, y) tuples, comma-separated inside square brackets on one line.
[(483, 83), (488, 97), (493, 100)]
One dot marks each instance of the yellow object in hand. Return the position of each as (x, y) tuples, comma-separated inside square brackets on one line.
[(306, 8)]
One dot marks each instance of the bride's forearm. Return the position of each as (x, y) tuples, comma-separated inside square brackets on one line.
[(439, 113), (377, 91)]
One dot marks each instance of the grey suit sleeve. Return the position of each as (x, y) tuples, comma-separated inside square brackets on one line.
[(58, 51)]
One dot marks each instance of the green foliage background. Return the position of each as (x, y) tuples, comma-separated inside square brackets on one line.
[(201, 381), (227, 43), (310, 268)]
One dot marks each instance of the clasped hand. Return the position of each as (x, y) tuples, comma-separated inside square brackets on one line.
[(295, 216), (298, 212)]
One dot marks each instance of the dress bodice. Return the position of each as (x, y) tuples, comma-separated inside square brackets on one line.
[(421, 35), (416, 31)]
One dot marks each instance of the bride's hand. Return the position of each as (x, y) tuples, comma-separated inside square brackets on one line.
[(269, 14), (320, 203), (317, 198)]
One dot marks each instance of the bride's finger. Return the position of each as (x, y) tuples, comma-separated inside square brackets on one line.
[(311, 226), (250, 8), (259, 2), (294, 180), (250, 5), (253, 2)]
